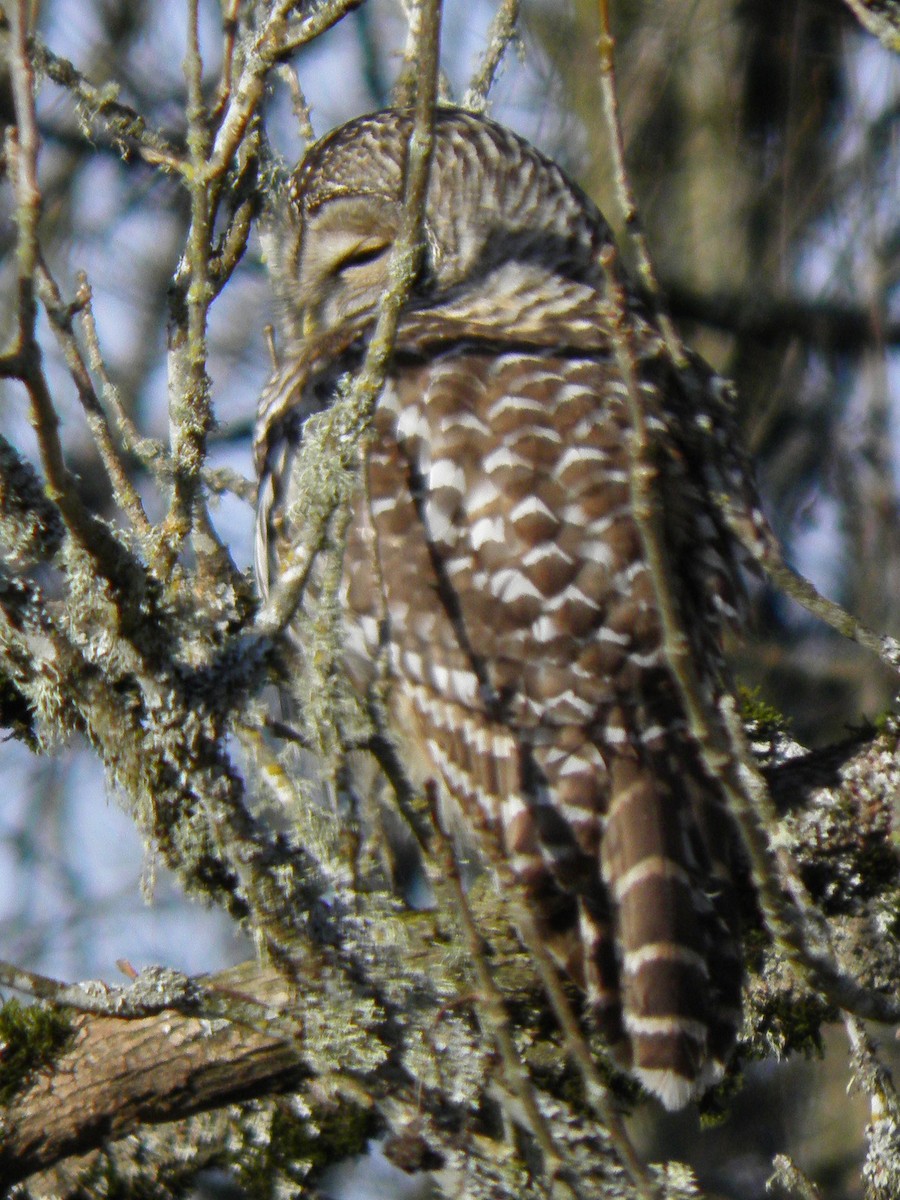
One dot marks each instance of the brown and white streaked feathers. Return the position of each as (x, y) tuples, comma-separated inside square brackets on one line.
[(494, 565)]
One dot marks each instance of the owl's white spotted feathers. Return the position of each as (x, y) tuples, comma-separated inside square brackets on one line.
[(494, 570)]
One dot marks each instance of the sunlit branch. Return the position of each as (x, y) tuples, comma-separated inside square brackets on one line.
[(503, 31), (101, 106), (764, 548), (61, 316)]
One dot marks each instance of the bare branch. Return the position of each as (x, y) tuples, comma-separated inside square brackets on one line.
[(24, 155), (61, 316), (765, 550), (101, 106), (881, 17), (299, 103), (798, 928), (347, 421), (152, 454), (230, 11), (503, 32), (24, 362), (496, 1024), (624, 191), (824, 325), (190, 411), (882, 1167), (789, 1175), (277, 39)]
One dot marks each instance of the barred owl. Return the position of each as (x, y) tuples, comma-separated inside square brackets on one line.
[(494, 582)]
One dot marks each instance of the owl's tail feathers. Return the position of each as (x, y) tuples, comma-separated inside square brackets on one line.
[(675, 1017)]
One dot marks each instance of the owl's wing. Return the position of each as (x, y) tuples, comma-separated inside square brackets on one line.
[(497, 563)]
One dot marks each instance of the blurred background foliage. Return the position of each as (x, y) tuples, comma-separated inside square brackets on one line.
[(763, 141)]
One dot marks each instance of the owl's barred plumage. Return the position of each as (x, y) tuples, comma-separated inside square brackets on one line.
[(494, 570)]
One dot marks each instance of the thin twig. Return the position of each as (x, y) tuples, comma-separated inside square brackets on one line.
[(308, 28), (274, 43), (799, 930), (880, 17), (299, 103), (190, 412), (101, 105), (24, 361), (873, 1076), (494, 1018), (803, 936), (764, 548), (789, 1175), (229, 40), (224, 479), (232, 244), (630, 215), (61, 316), (28, 193), (882, 1166), (347, 422), (597, 1094), (152, 454), (381, 746), (503, 31)]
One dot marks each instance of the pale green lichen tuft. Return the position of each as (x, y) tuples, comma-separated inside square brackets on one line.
[(31, 1037)]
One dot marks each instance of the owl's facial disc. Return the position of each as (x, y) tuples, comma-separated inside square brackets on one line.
[(344, 259)]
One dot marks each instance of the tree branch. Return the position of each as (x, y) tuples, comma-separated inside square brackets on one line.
[(828, 326), (252, 1033)]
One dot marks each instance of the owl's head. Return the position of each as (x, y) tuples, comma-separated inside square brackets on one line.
[(496, 208)]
